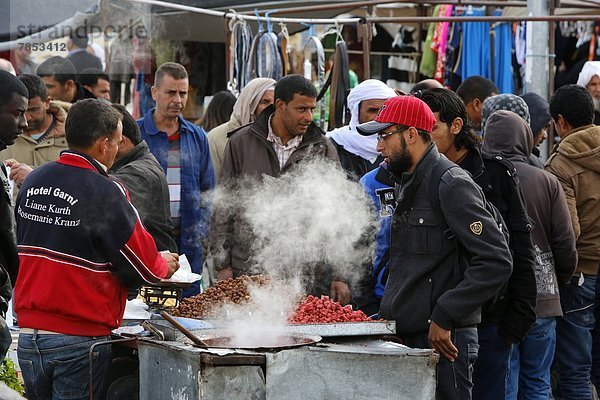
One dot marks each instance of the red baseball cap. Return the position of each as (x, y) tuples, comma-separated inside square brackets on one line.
[(400, 110)]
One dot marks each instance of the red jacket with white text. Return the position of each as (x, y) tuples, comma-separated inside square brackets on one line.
[(81, 245)]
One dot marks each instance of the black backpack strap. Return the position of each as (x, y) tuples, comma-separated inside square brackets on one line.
[(434, 197), (500, 159)]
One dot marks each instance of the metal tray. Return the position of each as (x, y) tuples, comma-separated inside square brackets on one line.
[(324, 330), (345, 328)]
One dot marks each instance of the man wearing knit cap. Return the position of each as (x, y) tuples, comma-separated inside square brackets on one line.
[(448, 258), (505, 101), (539, 111), (589, 77), (358, 154)]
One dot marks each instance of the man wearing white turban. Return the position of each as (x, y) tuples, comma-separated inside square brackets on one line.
[(254, 98), (589, 77), (358, 154)]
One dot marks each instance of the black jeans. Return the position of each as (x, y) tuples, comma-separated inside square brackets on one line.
[(454, 379)]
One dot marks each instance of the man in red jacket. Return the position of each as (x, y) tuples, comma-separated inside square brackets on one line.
[(81, 246)]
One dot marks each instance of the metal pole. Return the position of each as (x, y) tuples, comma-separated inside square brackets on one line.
[(536, 64), (326, 21), (485, 18), (419, 3), (536, 59), (365, 32)]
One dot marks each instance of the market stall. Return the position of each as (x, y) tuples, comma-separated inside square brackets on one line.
[(321, 349)]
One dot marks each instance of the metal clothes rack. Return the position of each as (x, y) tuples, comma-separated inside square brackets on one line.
[(364, 25)]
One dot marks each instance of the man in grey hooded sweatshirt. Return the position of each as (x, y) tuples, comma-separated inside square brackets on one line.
[(506, 133)]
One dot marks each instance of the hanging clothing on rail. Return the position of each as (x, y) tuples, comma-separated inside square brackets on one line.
[(452, 78), (475, 58), (440, 43), (429, 57), (574, 46), (503, 43), (521, 42), (403, 68)]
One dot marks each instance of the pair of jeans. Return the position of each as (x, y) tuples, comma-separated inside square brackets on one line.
[(57, 367), (574, 337), (454, 379), (530, 362), (491, 368), (596, 342)]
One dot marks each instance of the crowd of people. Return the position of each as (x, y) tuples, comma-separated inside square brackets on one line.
[(484, 252)]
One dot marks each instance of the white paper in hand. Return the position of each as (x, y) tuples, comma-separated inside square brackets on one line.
[(184, 274), (11, 183)]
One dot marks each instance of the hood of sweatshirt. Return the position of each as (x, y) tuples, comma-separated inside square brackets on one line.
[(582, 146), (508, 134), (539, 111)]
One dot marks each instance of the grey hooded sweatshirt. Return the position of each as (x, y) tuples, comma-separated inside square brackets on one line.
[(552, 235)]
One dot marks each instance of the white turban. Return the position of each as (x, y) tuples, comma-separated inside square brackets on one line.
[(347, 136), (371, 89), (590, 69), (245, 105)]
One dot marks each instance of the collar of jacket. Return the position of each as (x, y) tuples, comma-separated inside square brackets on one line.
[(409, 184), (473, 164), (82, 93), (384, 176), (138, 151), (424, 165), (151, 129), (80, 160), (261, 128), (581, 128), (50, 133)]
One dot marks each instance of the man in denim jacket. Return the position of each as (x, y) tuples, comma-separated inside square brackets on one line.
[(181, 149)]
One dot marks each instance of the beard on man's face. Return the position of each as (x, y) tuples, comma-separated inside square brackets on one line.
[(400, 162), (596, 103)]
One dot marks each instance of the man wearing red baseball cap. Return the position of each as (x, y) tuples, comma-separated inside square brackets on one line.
[(448, 257)]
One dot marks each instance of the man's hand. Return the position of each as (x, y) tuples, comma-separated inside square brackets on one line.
[(57, 109), (172, 260), (340, 292), (441, 341), (18, 171), (60, 116), (224, 274)]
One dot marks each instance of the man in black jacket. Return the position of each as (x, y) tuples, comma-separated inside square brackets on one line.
[(13, 104), (508, 319), (445, 262), (60, 77), (142, 175)]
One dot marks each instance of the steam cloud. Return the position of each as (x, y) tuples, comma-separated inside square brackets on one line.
[(310, 216)]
